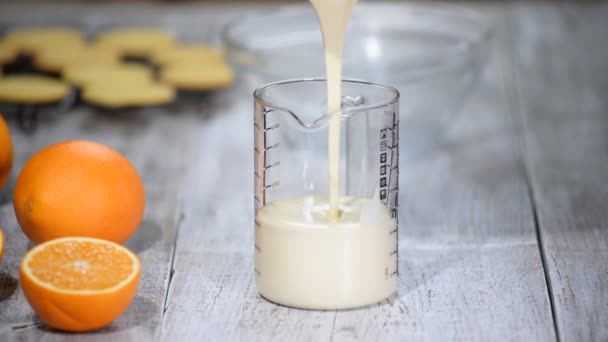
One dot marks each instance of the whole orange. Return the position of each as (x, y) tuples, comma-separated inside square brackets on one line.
[(6, 152), (78, 188)]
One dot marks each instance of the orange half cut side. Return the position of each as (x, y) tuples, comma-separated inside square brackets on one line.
[(78, 283)]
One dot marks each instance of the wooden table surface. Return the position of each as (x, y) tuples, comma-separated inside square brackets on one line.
[(504, 223)]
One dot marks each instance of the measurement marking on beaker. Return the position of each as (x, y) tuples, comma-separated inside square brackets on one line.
[(275, 126), (277, 183), (256, 174), (275, 164), (394, 191), (272, 146), (256, 150), (256, 199), (264, 143)]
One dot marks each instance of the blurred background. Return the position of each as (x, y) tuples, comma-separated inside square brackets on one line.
[(435, 55)]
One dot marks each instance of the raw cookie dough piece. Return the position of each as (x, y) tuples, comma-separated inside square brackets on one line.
[(197, 77), (82, 75), (187, 53), (136, 42), (57, 59), (124, 95), (32, 39), (32, 89)]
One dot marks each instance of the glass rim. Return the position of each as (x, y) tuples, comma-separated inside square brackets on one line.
[(344, 113)]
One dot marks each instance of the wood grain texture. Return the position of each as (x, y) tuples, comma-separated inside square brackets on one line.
[(153, 141), (561, 59), (470, 267)]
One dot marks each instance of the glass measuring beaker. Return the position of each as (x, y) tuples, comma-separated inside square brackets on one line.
[(303, 258)]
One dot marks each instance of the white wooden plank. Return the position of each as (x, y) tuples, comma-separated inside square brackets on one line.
[(470, 267), (562, 62)]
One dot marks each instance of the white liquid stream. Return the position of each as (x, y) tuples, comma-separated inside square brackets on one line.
[(333, 18)]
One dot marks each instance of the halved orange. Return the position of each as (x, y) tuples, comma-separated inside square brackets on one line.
[(78, 283)]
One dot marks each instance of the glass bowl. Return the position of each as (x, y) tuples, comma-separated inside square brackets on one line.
[(433, 54)]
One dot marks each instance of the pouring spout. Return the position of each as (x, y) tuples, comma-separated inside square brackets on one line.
[(350, 107)]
